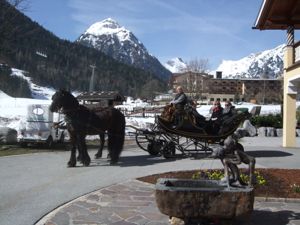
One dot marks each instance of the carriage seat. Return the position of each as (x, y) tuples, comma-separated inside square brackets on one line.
[(230, 123)]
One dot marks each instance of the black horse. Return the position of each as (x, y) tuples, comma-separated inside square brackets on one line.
[(81, 121)]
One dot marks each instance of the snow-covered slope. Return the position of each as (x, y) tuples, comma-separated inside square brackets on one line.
[(37, 92), (267, 64), (121, 44), (175, 65)]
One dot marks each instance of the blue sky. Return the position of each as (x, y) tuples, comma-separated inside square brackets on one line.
[(203, 29)]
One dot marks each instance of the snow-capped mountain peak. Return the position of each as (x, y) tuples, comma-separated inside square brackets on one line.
[(175, 65), (267, 63), (109, 27), (121, 44)]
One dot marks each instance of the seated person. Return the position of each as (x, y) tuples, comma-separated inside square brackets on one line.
[(179, 102), (229, 110), (216, 117)]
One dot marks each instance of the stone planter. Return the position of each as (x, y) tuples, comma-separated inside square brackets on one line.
[(196, 200), (279, 132), (270, 132), (262, 131), (297, 132)]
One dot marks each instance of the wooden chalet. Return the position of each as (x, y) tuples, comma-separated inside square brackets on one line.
[(102, 98)]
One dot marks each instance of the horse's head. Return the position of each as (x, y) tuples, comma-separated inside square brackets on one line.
[(63, 100)]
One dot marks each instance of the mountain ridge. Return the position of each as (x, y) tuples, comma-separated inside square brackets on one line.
[(264, 64), (67, 64)]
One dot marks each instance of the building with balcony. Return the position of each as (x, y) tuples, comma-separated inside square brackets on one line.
[(207, 88), (285, 15)]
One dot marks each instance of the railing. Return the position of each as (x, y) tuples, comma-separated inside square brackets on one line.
[(142, 112)]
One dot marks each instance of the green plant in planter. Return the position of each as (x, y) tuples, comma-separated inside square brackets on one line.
[(218, 175), (259, 178), (295, 188)]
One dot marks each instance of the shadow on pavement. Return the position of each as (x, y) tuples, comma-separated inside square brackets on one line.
[(268, 153), (262, 217), (140, 160)]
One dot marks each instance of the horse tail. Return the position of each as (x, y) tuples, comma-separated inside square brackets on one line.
[(116, 135)]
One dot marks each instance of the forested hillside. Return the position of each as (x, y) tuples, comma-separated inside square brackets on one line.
[(50, 61)]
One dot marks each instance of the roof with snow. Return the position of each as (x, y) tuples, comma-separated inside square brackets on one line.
[(103, 95)]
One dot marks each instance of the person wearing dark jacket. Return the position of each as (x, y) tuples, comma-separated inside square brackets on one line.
[(216, 117), (180, 98), (179, 102), (229, 110), (216, 111)]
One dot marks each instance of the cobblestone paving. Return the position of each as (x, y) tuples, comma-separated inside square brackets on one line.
[(133, 203)]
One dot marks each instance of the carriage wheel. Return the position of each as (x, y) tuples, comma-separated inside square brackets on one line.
[(240, 147), (155, 147), (142, 141), (169, 150)]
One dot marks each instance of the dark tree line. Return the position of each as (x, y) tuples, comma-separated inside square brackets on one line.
[(58, 63)]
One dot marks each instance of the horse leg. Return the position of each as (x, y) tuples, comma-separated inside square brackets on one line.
[(79, 157), (72, 161), (83, 150), (113, 154), (102, 140)]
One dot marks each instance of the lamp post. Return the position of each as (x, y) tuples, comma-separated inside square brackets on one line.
[(91, 88)]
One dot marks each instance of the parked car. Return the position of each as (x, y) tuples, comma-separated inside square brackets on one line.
[(38, 127)]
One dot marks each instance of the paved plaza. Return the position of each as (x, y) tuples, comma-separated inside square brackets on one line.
[(40, 189)]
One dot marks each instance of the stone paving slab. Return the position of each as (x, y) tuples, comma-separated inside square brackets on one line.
[(133, 203)]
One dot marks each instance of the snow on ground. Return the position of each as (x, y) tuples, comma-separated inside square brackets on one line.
[(38, 92), (13, 110)]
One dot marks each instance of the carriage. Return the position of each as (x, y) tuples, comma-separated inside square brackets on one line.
[(189, 137)]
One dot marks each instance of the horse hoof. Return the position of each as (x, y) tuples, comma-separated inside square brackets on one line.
[(87, 163), (113, 162), (71, 164), (98, 156)]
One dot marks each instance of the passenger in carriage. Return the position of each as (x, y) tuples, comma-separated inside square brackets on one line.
[(216, 117), (216, 111), (229, 110)]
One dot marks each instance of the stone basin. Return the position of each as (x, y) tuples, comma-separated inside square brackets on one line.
[(202, 199)]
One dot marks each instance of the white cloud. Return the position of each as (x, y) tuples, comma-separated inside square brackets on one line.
[(150, 17)]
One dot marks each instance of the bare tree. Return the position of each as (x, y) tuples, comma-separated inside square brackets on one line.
[(197, 65)]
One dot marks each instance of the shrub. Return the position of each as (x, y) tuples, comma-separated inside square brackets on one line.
[(267, 121)]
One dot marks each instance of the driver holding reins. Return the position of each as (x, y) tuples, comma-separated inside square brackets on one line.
[(179, 102)]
